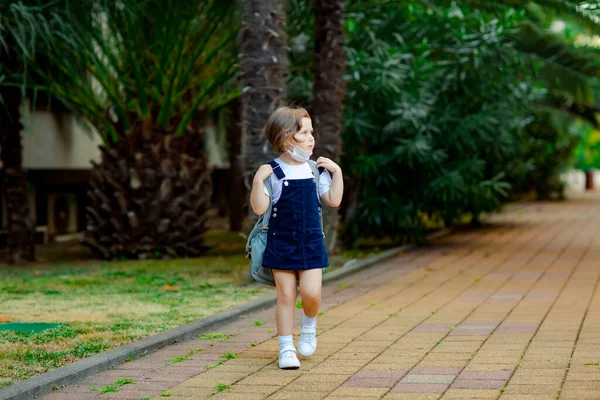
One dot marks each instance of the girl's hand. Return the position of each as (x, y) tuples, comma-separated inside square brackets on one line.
[(328, 164), (263, 172)]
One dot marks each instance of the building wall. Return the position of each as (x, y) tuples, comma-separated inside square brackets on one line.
[(57, 141)]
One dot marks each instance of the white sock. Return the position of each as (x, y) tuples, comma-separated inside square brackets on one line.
[(308, 322), (286, 341)]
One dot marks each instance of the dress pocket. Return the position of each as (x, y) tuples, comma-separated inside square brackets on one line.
[(284, 243)]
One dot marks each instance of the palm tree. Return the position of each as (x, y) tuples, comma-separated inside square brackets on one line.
[(20, 224), (328, 92), (144, 75), (236, 190), (19, 221), (570, 71), (263, 62)]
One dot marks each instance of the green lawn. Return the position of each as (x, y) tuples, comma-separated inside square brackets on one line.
[(104, 305)]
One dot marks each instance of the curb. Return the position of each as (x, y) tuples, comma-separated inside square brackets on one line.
[(43, 384)]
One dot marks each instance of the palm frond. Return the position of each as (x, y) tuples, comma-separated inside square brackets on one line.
[(116, 62)]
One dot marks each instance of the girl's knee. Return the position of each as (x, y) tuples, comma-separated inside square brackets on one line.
[(287, 295), (311, 295)]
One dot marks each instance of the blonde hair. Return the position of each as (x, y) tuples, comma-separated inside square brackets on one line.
[(283, 124)]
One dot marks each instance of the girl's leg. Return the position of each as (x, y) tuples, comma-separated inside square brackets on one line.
[(310, 290), (285, 282)]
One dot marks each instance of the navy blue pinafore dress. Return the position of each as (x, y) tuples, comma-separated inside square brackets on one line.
[(295, 238)]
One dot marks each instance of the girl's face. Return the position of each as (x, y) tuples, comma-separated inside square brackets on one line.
[(304, 137)]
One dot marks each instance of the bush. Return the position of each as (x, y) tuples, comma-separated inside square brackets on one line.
[(430, 127)]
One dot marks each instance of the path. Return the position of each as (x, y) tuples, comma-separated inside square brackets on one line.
[(511, 312)]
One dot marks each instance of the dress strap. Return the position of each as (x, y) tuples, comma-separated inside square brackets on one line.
[(277, 169)]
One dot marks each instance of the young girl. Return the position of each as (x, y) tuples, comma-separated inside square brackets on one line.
[(295, 245)]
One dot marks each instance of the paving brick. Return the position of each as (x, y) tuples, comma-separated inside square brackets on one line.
[(346, 392), (70, 396), (183, 391), (411, 396), (267, 380), (572, 394), (204, 380), (294, 395), (267, 390), (536, 380), (420, 388), (479, 384), (322, 378), (455, 394), (436, 370), (473, 375), (370, 383), (420, 378), (301, 387), (238, 396), (583, 376), (129, 395), (532, 389), (552, 372)]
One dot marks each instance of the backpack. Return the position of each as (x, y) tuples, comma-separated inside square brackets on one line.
[(257, 241)]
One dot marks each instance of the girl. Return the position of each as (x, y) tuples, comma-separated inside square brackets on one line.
[(295, 245)]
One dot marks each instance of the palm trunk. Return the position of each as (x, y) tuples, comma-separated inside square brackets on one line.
[(328, 90), (236, 191), (19, 222), (150, 196), (263, 61)]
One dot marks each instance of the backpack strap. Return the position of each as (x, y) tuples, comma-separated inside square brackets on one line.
[(267, 215), (316, 172), (277, 169)]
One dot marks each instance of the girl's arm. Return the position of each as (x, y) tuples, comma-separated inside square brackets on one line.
[(259, 201), (333, 198)]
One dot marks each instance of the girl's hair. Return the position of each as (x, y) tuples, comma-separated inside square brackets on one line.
[(283, 124)]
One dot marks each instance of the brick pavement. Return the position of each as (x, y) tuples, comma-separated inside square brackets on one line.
[(511, 311)]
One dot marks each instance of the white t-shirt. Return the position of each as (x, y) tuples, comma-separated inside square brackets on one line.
[(300, 171)]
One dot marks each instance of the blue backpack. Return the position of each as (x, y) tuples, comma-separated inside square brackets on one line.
[(257, 241)]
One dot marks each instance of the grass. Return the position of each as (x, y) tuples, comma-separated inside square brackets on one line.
[(215, 336), (103, 305), (124, 381), (229, 356), (109, 389), (222, 386), (194, 351), (178, 359)]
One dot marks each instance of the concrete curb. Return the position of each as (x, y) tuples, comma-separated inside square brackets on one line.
[(43, 384)]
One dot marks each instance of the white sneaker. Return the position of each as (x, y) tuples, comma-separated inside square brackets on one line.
[(288, 359), (308, 341)]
